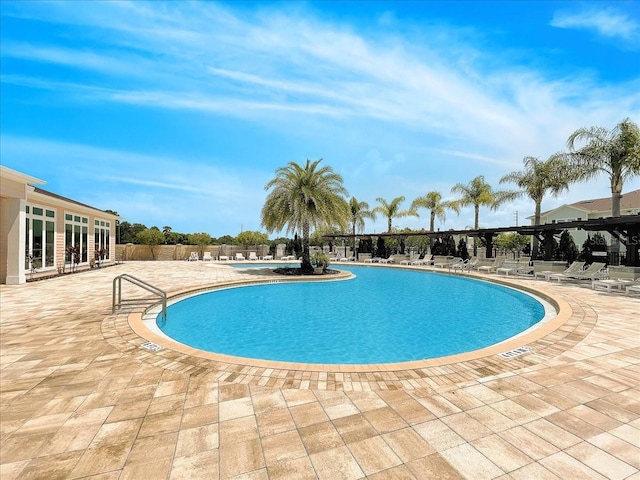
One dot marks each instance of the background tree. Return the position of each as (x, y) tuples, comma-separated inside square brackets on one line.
[(359, 211), (251, 237), (391, 210), (432, 201), (539, 178), (615, 152), (462, 251), (511, 242), (305, 197), (479, 193), (151, 237), (201, 240), (166, 230), (129, 232), (567, 249)]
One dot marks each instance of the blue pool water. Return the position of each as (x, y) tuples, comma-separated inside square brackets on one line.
[(381, 316)]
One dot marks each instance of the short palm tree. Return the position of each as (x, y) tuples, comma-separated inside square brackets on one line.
[(615, 152), (392, 210), (433, 202), (479, 193), (303, 197), (359, 212), (539, 178)]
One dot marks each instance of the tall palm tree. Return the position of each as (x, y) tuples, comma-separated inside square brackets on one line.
[(303, 197), (433, 202), (392, 210), (359, 212), (615, 152), (539, 178), (479, 193)]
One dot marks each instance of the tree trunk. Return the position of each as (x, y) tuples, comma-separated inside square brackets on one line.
[(475, 223), (305, 265), (389, 225), (536, 221), (616, 196), (432, 223)]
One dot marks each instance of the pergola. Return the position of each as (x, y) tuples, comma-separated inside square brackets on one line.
[(626, 229)]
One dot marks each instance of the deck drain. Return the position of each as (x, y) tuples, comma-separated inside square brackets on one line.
[(151, 347), (515, 352)]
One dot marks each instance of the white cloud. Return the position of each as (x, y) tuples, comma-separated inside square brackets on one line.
[(607, 22)]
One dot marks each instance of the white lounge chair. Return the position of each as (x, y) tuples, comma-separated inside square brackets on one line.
[(206, 257), (426, 260), (193, 257), (455, 261), (240, 257), (632, 289), (595, 271), (267, 257), (253, 256), (609, 284), (497, 263), (409, 261), (223, 258), (574, 267), (372, 260), (463, 265), (387, 260)]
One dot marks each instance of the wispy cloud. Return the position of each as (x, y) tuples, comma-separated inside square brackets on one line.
[(607, 22)]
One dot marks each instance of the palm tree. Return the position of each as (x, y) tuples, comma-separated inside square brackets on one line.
[(539, 178), (615, 152), (477, 193), (359, 212), (305, 197), (433, 201), (392, 210)]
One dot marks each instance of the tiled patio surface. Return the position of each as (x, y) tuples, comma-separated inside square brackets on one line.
[(80, 399)]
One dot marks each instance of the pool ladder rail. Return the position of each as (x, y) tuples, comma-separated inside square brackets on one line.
[(117, 301)]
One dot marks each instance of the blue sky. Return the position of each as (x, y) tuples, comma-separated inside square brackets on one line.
[(179, 113)]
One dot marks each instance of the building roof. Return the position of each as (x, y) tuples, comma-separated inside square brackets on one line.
[(627, 201), (65, 199)]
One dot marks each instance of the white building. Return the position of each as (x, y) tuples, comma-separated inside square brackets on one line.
[(37, 228), (590, 209)]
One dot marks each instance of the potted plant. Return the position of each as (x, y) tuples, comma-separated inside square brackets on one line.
[(320, 262)]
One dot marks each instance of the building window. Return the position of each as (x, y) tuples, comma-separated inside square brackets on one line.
[(40, 238), (102, 230), (76, 234)]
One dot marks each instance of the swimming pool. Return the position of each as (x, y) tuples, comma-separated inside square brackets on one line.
[(381, 316)]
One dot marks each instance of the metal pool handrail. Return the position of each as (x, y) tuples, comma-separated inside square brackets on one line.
[(140, 283)]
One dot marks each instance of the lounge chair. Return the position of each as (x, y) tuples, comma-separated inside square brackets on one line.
[(347, 259), (387, 260), (206, 257), (253, 256), (372, 260), (574, 267), (515, 268), (609, 284), (632, 289), (240, 257), (441, 261), (193, 257), (497, 263), (595, 271), (455, 262), (426, 260), (267, 257), (409, 261), (223, 258), (464, 264)]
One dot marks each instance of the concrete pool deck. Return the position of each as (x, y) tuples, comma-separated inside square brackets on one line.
[(81, 399)]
